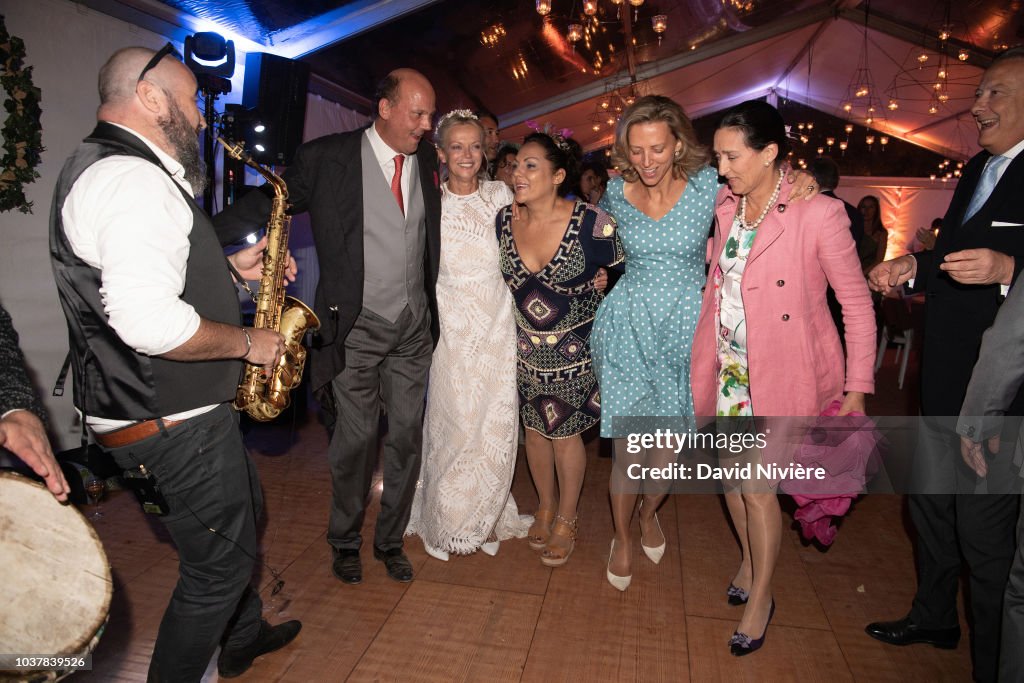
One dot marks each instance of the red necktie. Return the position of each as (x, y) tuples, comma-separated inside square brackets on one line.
[(396, 182)]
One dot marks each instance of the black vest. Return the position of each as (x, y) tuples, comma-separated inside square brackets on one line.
[(112, 380)]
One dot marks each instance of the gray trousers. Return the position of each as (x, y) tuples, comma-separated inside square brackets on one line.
[(389, 360), (977, 526), (1011, 657)]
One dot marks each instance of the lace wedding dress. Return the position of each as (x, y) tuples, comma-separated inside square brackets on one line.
[(471, 426)]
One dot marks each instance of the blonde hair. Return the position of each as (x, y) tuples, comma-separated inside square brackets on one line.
[(454, 118), (652, 109)]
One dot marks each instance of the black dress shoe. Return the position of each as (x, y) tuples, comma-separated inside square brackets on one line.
[(906, 632), (398, 565), (347, 567), (236, 662)]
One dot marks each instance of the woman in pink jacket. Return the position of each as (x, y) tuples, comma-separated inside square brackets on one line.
[(765, 344)]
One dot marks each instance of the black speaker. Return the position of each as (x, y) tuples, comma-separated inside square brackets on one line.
[(275, 90)]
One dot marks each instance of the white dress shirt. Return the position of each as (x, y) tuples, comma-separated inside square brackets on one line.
[(127, 218)]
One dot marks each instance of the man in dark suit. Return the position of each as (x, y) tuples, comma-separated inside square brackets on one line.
[(374, 201), (978, 255), (21, 413)]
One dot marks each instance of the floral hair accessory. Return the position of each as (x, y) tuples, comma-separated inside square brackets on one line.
[(560, 135), (456, 113)]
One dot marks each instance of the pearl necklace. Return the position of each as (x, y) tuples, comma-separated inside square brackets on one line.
[(768, 207)]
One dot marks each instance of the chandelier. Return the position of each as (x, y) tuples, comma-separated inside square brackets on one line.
[(935, 72)]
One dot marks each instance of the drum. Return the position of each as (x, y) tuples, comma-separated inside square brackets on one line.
[(55, 584)]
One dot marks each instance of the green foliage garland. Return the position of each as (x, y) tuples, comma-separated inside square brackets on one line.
[(22, 130)]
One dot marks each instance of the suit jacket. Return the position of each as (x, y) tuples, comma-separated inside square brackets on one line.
[(998, 374), (956, 315), (16, 391), (326, 180), (795, 360)]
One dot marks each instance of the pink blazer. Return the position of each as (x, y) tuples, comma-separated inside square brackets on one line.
[(794, 356)]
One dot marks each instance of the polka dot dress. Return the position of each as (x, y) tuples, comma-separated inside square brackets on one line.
[(644, 329)]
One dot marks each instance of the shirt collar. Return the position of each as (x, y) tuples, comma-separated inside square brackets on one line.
[(172, 165), (1012, 153), (381, 150)]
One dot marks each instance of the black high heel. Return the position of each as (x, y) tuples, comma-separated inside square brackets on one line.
[(741, 644), (736, 595)]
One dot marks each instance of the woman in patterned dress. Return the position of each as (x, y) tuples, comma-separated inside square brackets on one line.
[(765, 343), (470, 431), (550, 253)]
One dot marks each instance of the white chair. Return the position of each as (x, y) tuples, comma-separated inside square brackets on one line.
[(898, 328)]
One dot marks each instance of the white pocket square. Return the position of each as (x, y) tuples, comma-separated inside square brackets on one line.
[(1004, 224)]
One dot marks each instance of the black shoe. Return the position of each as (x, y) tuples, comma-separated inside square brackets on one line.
[(347, 567), (906, 632), (398, 565), (741, 645), (233, 663)]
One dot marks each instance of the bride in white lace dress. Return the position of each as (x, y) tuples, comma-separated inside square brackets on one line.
[(470, 431)]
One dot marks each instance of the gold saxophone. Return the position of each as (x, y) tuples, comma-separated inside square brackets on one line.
[(263, 397)]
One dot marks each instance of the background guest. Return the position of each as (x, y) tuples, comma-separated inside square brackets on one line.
[(593, 181), (771, 262), (491, 141), (871, 247), (505, 163)]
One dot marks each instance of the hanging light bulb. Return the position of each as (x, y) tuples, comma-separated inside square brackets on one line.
[(944, 34), (810, 126), (801, 126), (596, 126), (843, 145), (590, 7), (610, 120), (933, 110), (804, 139), (636, 12), (574, 34), (883, 140), (821, 150), (942, 73), (847, 107), (870, 139), (932, 176), (848, 128), (659, 22), (830, 141), (943, 97), (869, 120), (862, 91), (605, 103), (543, 7), (962, 55), (922, 58), (893, 105)]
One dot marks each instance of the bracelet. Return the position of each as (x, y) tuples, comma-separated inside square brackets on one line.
[(248, 343)]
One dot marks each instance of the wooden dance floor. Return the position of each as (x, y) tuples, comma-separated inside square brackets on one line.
[(509, 618)]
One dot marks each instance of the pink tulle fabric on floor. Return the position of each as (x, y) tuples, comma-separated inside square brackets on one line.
[(847, 448)]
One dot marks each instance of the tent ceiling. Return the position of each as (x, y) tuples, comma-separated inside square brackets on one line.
[(714, 53)]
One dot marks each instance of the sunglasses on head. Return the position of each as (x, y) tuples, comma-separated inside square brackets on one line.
[(167, 49)]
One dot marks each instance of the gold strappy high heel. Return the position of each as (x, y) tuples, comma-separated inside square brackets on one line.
[(540, 530), (561, 542)]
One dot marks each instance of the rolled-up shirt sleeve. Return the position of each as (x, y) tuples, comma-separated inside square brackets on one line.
[(126, 217)]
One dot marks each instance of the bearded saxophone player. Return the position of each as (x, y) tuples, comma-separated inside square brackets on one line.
[(263, 395)]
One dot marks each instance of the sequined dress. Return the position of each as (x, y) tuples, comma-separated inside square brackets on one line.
[(558, 393)]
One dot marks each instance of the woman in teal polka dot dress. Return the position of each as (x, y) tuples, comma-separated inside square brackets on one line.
[(664, 205)]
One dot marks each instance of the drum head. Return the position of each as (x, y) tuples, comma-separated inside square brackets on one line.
[(56, 587)]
